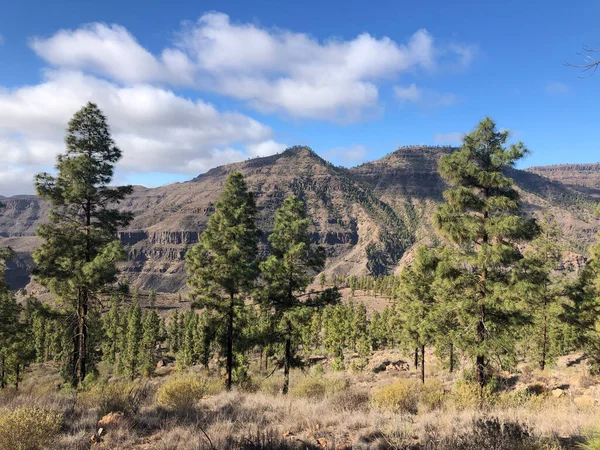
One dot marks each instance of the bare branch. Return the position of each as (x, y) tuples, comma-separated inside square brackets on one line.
[(590, 64)]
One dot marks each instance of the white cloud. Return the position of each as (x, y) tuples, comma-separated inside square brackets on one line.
[(273, 70), (425, 98), (111, 50), (347, 156), (451, 138), (157, 130), (557, 88), (265, 148)]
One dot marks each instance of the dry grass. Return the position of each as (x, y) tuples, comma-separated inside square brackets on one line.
[(333, 409)]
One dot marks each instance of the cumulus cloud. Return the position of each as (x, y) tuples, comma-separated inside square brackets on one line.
[(158, 130), (347, 156), (451, 138), (163, 132), (272, 70), (428, 99), (111, 50)]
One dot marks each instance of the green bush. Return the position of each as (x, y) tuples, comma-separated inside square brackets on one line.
[(337, 365), (432, 394), (182, 392), (467, 394), (114, 396), (592, 440), (318, 387), (29, 429), (401, 396)]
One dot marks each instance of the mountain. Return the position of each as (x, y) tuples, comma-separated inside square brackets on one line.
[(368, 217)]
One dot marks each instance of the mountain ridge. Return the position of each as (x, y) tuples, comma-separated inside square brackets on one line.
[(368, 217)]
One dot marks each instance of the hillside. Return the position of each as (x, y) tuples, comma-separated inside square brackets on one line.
[(367, 217)]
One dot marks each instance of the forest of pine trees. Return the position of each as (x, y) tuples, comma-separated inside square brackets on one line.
[(489, 295)]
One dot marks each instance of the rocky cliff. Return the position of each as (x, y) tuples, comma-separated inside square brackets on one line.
[(368, 217)]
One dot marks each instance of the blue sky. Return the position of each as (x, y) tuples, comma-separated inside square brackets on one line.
[(190, 85)]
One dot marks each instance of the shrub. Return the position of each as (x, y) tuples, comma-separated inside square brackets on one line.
[(29, 429), (337, 364), (432, 394), (114, 396), (490, 433), (313, 388), (592, 440), (470, 395), (182, 392), (350, 400), (402, 396), (318, 387), (359, 364)]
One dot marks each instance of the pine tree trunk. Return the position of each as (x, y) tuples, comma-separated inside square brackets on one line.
[(260, 359), (288, 356), (17, 375), (422, 364), (3, 373), (416, 358), (480, 360), (544, 343), (228, 378), (81, 340), (451, 369)]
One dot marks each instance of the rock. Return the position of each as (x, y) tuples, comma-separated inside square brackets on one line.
[(585, 402), (322, 442), (111, 420), (388, 365), (95, 438), (557, 393), (160, 364)]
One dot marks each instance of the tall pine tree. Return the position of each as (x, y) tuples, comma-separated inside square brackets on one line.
[(291, 266), (79, 250), (481, 217), (224, 264), (417, 304)]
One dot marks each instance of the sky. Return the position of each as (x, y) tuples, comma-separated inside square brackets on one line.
[(190, 85)]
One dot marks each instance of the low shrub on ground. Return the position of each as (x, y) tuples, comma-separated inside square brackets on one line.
[(113, 396), (318, 387), (491, 434), (29, 429), (350, 400), (592, 440), (432, 394), (401, 396), (184, 391), (467, 394)]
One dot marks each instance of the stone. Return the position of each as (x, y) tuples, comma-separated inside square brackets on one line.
[(557, 393), (112, 420)]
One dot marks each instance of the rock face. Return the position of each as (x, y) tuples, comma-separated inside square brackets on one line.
[(367, 217)]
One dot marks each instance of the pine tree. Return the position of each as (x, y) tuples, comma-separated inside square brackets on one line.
[(9, 332), (360, 330), (481, 217), (287, 272), (416, 303), (224, 264), (150, 340), (113, 330), (152, 298), (542, 292), (131, 357), (77, 257)]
